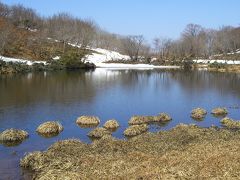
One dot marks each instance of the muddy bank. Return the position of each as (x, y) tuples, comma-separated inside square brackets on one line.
[(183, 152)]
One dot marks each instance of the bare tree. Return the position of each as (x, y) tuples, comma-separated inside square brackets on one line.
[(60, 28), (4, 10), (84, 32), (5, 30), (191, 36), (24, 17), (132, 46), (162, 47)]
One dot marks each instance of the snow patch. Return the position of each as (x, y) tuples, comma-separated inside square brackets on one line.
[(103, 55), (132, 66), (56, 58), (207, 61), (15, 60)]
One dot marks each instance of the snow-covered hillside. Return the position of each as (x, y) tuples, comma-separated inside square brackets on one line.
[(103, 55)]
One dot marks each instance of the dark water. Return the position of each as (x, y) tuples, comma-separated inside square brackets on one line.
[(29, 100)]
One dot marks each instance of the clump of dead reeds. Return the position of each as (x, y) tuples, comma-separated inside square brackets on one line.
[(135, 130), (230, 123), (111, 124), (88, 121), (220, 111), (49, 128), (198, 113), (99, 132), (13, 136)]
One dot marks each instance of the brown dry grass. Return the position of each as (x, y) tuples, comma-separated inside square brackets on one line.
[(185, 152), (161, 118), (228, 68), (230, 123), (219, 111), (13, 137), (49, 128), (88, 121), (111, 124), (198, 113), (135, 130), (99, 132)]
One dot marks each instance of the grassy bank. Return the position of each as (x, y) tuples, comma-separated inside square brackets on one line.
[(216, 67), (69, 61), (183, 152)]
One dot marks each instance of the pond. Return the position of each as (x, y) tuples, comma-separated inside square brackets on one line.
[(28, 100)]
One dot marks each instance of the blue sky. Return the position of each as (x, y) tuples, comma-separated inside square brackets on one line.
[(151, 18)]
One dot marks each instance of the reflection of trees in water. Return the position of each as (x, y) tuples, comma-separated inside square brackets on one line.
[(40, 87), (144, 78), (61, 87), (202, 81)]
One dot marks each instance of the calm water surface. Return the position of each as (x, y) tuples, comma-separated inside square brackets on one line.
[(29, 100)]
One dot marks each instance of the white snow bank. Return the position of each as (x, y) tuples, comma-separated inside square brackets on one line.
[(56, 58), (15, 60), (208, 61), (104, 55), (131, 66)]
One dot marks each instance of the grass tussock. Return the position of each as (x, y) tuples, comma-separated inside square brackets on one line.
[(230, 123), (184, 152), (88, 121), (99, 132), (198, 113), (11, 137), (220, 111), (111, 124), (161, 118), (136, 120), (135, 130), (49, 128)]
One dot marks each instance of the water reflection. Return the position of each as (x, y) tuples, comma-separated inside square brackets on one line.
[(31, 99)]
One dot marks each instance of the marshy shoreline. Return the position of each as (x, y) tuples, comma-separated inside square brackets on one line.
[(123, 158), (185, 151)]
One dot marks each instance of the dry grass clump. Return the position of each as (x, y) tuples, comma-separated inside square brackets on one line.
[(88, 121), (136, 120), (111, 124), (99, 132), (219, 111), (135, 130), (49, 128), (184, 152), (230, 123), (12, 136), (161, 118), (198, 113)]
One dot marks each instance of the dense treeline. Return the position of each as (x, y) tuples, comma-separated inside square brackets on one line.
[(24, 33)]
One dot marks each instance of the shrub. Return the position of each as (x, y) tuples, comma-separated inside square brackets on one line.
[(38, 67), (217, 65), (73, 60), (187, 65)]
